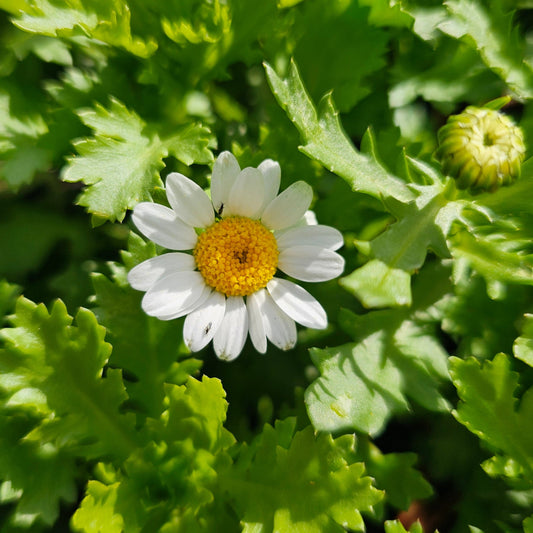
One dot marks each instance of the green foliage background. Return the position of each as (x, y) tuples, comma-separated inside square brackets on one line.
[(419, 394)]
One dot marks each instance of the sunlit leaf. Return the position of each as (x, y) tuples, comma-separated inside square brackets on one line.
[(325, 141), (395, 357), (495, 37), (108, 22), (332, 491), (121, 163)]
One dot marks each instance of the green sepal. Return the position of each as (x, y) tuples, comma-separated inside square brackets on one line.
[(497, 103)]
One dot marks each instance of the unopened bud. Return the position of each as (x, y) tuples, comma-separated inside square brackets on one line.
[(481, 149)]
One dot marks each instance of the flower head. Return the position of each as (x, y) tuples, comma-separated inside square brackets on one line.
[(227, 287), (481, 149)]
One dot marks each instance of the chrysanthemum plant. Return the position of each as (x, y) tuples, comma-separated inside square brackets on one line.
[(300, 317)]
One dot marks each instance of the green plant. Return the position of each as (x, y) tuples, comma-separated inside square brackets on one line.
[(421, 383)]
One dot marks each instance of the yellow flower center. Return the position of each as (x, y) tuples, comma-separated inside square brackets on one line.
[(237, 256)]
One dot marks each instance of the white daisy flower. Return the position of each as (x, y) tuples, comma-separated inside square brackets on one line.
[(227, 287)]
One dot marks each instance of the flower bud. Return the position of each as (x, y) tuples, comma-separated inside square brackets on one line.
[(481, 149)]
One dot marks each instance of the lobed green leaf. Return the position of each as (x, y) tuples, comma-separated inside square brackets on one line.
[(490, 409), (106, 21), (40, 475), (523, 345), (395, 526), (146, 349), (121, 163), (300, 483), (395, 474), (496, 39), (395, 356), (326, 142), (399, 251), (22, 127), (55, 406), (323, 63), (64, 363), (172, 482)]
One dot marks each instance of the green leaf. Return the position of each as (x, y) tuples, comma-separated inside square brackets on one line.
[(8, 295), (323, 63), (489, 409), (384, 13), (395, 526), (64, 363), (394, 473), (105, 21), (55, 406), (400, 250), (304, 483), (40, 474), (478, 324), (96, 513), (494, 235), (21, 127), (456, 73), (496, 38), (326, 142), (18, 122), (498, 466), (404, 245), (427, 20), (209, 36), (171, 483), (400, 481), (523, 345), (396, 355), (147, 349), (510, 200), (48, 49), (493, 256), (197, 411), (196, 22), (376, 284), (13, 6), (356, 390), (121, 163)]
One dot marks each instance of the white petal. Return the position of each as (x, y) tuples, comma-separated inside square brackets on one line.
[(247, 194), (296, 302), (289, 207), (310, 218), (162, 226), (310, 263), (279, 328), (202, 324), (175, 295), (321, 236), (254, 304), (189, 201), (145, 274), (225, 172), (231, 335), (272, 176)]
